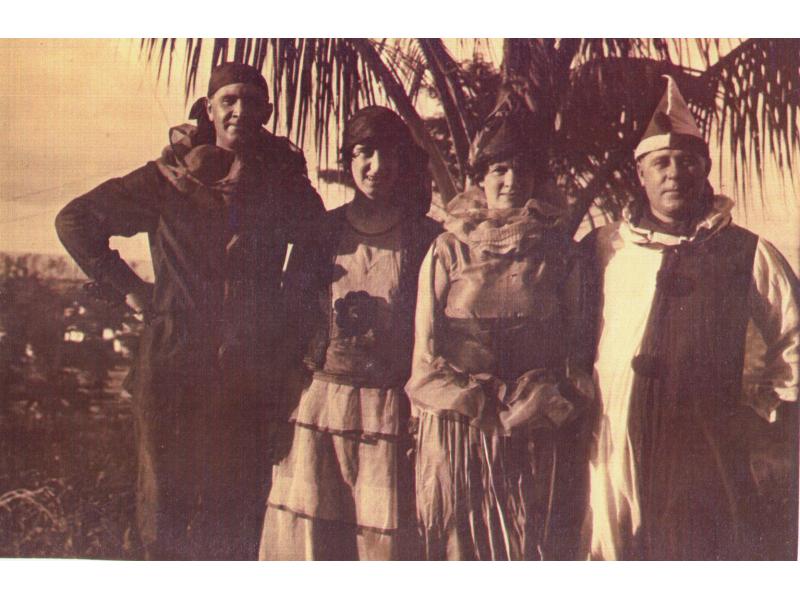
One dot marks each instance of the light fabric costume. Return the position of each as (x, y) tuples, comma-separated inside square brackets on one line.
[(344, 491), (342, 471), (695, 450), (498, 297)]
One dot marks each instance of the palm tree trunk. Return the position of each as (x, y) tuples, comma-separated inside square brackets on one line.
[(434, 52)]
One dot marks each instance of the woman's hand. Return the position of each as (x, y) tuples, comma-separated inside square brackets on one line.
[(583, 384), (536, 401)]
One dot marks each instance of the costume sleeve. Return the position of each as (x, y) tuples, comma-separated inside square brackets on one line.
[(435, 384), (303, 281), (308, 208), (122, 206), (305, 206), (771, 368)]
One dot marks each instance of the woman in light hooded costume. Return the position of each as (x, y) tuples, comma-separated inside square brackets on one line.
[(497, 383)]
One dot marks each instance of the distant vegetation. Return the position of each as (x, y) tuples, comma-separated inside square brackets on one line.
[(67, 457)]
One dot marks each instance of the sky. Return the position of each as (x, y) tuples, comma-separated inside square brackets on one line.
[(74, 113), (77, 112)]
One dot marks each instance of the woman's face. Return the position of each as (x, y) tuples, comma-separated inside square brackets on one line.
[(508, 184), (375, 169)]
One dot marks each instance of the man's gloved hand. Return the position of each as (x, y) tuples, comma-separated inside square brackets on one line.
[(140, 300)]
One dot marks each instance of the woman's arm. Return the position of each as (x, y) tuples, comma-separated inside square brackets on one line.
[(541, 397)]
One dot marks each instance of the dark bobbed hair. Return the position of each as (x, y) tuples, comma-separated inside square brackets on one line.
[(381, 127)]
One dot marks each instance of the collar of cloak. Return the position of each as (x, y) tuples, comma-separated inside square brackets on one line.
[(639, 231), (210, 172), (505, 232)]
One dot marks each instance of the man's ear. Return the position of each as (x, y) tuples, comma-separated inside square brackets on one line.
[(267, 113), (640, 171), (708, 165), (209, 111)]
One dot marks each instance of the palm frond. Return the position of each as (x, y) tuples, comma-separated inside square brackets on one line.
[(757, 94), (446, 77), (408, 64), (592, 49), (597, 93)]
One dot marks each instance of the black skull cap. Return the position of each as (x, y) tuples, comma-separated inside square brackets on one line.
[(233, 72)]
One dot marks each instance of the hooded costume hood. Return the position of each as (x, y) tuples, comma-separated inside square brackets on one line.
[(222, 75), (511, 129), (191, 163)]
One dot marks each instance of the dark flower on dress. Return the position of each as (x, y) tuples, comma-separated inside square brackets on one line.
[(356, 313)]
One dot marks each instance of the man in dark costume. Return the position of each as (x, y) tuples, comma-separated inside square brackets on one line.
[(696, 445), (220, 206)]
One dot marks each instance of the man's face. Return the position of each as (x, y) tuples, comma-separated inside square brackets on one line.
[(673, 180), (508, 184), (238, 110)]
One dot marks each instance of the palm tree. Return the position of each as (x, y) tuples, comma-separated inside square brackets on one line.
[(594, 95), (599, 94), (323, 81)]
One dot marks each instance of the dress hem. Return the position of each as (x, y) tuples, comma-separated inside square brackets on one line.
[(357, 527)]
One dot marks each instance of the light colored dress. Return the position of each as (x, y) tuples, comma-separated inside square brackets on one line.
[(491, 325), (337, 493)]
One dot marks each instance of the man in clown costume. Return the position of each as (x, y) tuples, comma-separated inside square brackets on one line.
[(695, 444)]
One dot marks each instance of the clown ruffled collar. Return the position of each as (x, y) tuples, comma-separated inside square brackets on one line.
[(718, 216), (500, 231)]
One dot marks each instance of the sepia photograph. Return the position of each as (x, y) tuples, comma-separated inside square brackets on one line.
[(400, 299)]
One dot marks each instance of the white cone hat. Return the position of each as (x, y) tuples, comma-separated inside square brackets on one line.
[(671, 125)]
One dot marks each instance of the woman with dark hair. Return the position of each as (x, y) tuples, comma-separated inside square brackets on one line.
[(344, 491), (497, 382)]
